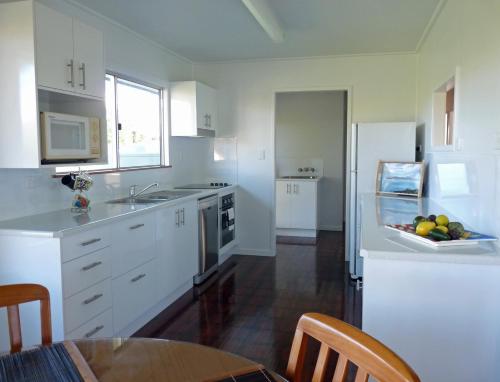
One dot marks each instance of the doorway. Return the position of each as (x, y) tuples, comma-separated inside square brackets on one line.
[(310, 129)]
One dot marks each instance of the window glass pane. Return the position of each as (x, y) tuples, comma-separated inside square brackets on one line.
[(139, 116)]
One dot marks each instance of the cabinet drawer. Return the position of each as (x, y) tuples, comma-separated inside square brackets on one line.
[(133, 294), (85, 271), (133, 243), (85, 242), (98, 327), (87, 304)]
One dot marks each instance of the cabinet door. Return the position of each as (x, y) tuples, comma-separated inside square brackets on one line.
[(54, 49), (177, 241), (133, 243), (187, 242), (133, 294), (304, 205), (283, 204), (89, 60), (206, 106), (166, 232)]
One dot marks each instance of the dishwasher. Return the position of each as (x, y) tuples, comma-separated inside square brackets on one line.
[(208, 237)]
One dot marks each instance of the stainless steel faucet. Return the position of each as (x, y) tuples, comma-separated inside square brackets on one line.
[(133, 194)]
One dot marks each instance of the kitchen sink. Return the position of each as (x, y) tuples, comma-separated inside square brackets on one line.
[(153, 197), (299, 177)]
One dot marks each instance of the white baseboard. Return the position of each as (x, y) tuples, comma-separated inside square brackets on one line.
[(327, 227), (296, 232), (254, 252), (224, 256)]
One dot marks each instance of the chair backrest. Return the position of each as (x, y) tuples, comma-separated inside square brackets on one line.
[(371, 356), (13, 295)]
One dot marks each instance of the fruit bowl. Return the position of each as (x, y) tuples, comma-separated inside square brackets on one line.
[(469, 238)]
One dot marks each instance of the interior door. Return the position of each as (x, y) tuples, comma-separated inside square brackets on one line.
[(54, 49), (283, 204), (89, 60)]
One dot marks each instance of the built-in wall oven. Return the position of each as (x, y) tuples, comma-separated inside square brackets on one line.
[(227, 220)]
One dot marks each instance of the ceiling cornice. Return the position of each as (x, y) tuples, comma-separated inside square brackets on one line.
[(129, 30), (306, 58), (430, 24)]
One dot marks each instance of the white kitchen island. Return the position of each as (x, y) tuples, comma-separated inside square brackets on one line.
[(439, 309)]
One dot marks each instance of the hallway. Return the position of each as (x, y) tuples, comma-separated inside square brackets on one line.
[(254, 306)]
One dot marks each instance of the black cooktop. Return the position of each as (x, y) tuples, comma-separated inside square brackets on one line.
[(207, 186)]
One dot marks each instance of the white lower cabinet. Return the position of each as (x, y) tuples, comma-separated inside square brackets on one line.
[(133, 293), (108, 280), (100, 326), (297, 204), (133, 243), (86, 271), (177, 245), (87, 304)]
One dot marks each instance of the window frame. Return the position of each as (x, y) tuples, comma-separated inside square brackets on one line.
[(164, 133)]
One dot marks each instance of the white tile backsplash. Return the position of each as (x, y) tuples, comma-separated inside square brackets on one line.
[(27, 192), (288, 166)]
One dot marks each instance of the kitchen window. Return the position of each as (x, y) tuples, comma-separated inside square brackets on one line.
[(137, 137)]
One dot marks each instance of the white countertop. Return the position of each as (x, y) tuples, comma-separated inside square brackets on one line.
[(63, 222), (379, 242), (285, 179)]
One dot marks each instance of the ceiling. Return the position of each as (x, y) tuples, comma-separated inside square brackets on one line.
[(220, 30)]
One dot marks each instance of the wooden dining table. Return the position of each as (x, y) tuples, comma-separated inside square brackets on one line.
[(155, 360)]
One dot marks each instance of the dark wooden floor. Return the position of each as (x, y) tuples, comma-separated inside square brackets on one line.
[(253, 307)]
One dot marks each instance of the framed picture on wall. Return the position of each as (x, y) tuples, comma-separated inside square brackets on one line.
[(400, 178)]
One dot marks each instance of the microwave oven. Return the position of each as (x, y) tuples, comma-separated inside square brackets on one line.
[(69, 138)]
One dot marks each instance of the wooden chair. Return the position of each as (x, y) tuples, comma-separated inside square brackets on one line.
[(371, 356), (13, 295)]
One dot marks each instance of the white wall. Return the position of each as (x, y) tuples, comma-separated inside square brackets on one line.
[(310, 128), (383, 89), (465, 35), (26, 192)]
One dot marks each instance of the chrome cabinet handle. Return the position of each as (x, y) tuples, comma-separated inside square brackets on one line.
[(182, 217), (137, 226), (71, 67), (295, 188), (90, 266), (82, 69), (210, 120), (287, 188), (92, 241), (137, 278), (177, 218), (92, 299), (94, 331)]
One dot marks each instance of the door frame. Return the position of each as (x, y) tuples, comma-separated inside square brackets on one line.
[(347, 186)]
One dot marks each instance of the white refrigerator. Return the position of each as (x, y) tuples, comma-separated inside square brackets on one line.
[(371, 142)]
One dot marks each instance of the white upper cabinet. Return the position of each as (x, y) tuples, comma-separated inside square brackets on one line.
[(69, 54), (54, 48), (50, 62), (89, 60), (193, 109)]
